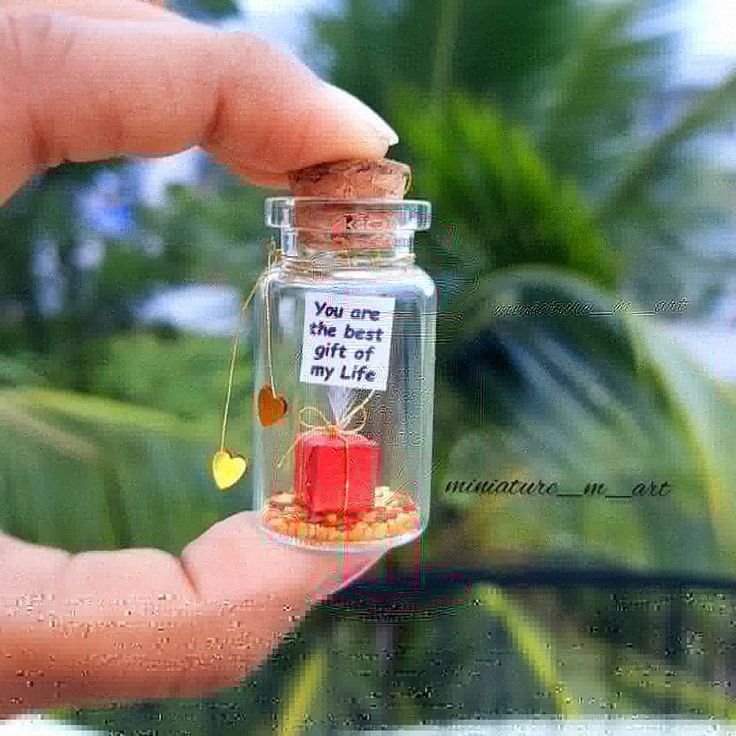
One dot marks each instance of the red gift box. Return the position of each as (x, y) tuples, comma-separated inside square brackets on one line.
[(320, 465)]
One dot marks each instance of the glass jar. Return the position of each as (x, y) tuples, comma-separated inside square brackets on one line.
[(342, 442)]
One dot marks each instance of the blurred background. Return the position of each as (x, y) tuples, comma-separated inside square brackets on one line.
[(575, 152)]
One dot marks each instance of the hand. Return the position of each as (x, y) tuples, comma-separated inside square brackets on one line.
[(85, 80)]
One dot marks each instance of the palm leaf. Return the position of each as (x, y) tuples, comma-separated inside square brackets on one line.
[(488, 174), (85, 473), (582, 399), (539, 655), (303, 692), (651, 162), (584, 117), (707, 413)]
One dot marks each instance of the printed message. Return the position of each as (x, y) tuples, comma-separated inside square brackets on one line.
[(347, 340)]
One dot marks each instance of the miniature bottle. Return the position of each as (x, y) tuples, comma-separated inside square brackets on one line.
[(342, 442)]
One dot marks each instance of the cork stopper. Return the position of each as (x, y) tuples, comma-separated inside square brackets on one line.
[(357, 179), (333, 227)]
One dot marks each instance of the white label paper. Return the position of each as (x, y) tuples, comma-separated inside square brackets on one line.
[(347, 340)]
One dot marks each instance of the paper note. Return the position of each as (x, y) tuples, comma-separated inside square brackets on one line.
[(347, 340)]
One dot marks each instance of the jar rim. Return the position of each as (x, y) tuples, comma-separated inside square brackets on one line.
[(356, 215)]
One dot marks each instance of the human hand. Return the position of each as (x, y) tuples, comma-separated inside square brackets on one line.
[(82, 80)]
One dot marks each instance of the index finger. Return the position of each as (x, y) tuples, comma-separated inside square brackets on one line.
[(79, 89)]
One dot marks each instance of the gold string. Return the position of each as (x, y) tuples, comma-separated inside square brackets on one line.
[(273, 257), (409, 182)]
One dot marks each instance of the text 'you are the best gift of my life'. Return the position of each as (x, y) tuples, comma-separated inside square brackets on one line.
[(347, 340)]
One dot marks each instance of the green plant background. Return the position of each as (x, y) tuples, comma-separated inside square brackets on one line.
[(520, 121)]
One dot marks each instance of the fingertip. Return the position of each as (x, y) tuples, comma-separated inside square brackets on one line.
[(275, 115), (256, 178), (363, 115), (237, 560)]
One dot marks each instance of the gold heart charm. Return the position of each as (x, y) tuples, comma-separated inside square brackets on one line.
[(227, 468), (271, 407)]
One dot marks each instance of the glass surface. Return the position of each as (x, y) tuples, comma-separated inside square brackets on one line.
[(347, 465)]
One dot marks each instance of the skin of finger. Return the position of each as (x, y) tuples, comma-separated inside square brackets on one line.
[(256, 177), (233, 558), (137, 623), (246, 102), (85, 625), (235, 561), (74, 651), (27, 570), (89, 625), (263, 178), (98, 652), (109, 9)]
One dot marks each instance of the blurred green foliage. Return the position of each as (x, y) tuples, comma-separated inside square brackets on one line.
[(522, 121), (138, 370)]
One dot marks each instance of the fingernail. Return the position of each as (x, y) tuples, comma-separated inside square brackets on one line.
[(361, 111)]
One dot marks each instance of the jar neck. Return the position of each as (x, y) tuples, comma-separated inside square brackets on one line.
[(334, 233), (343, 250)]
